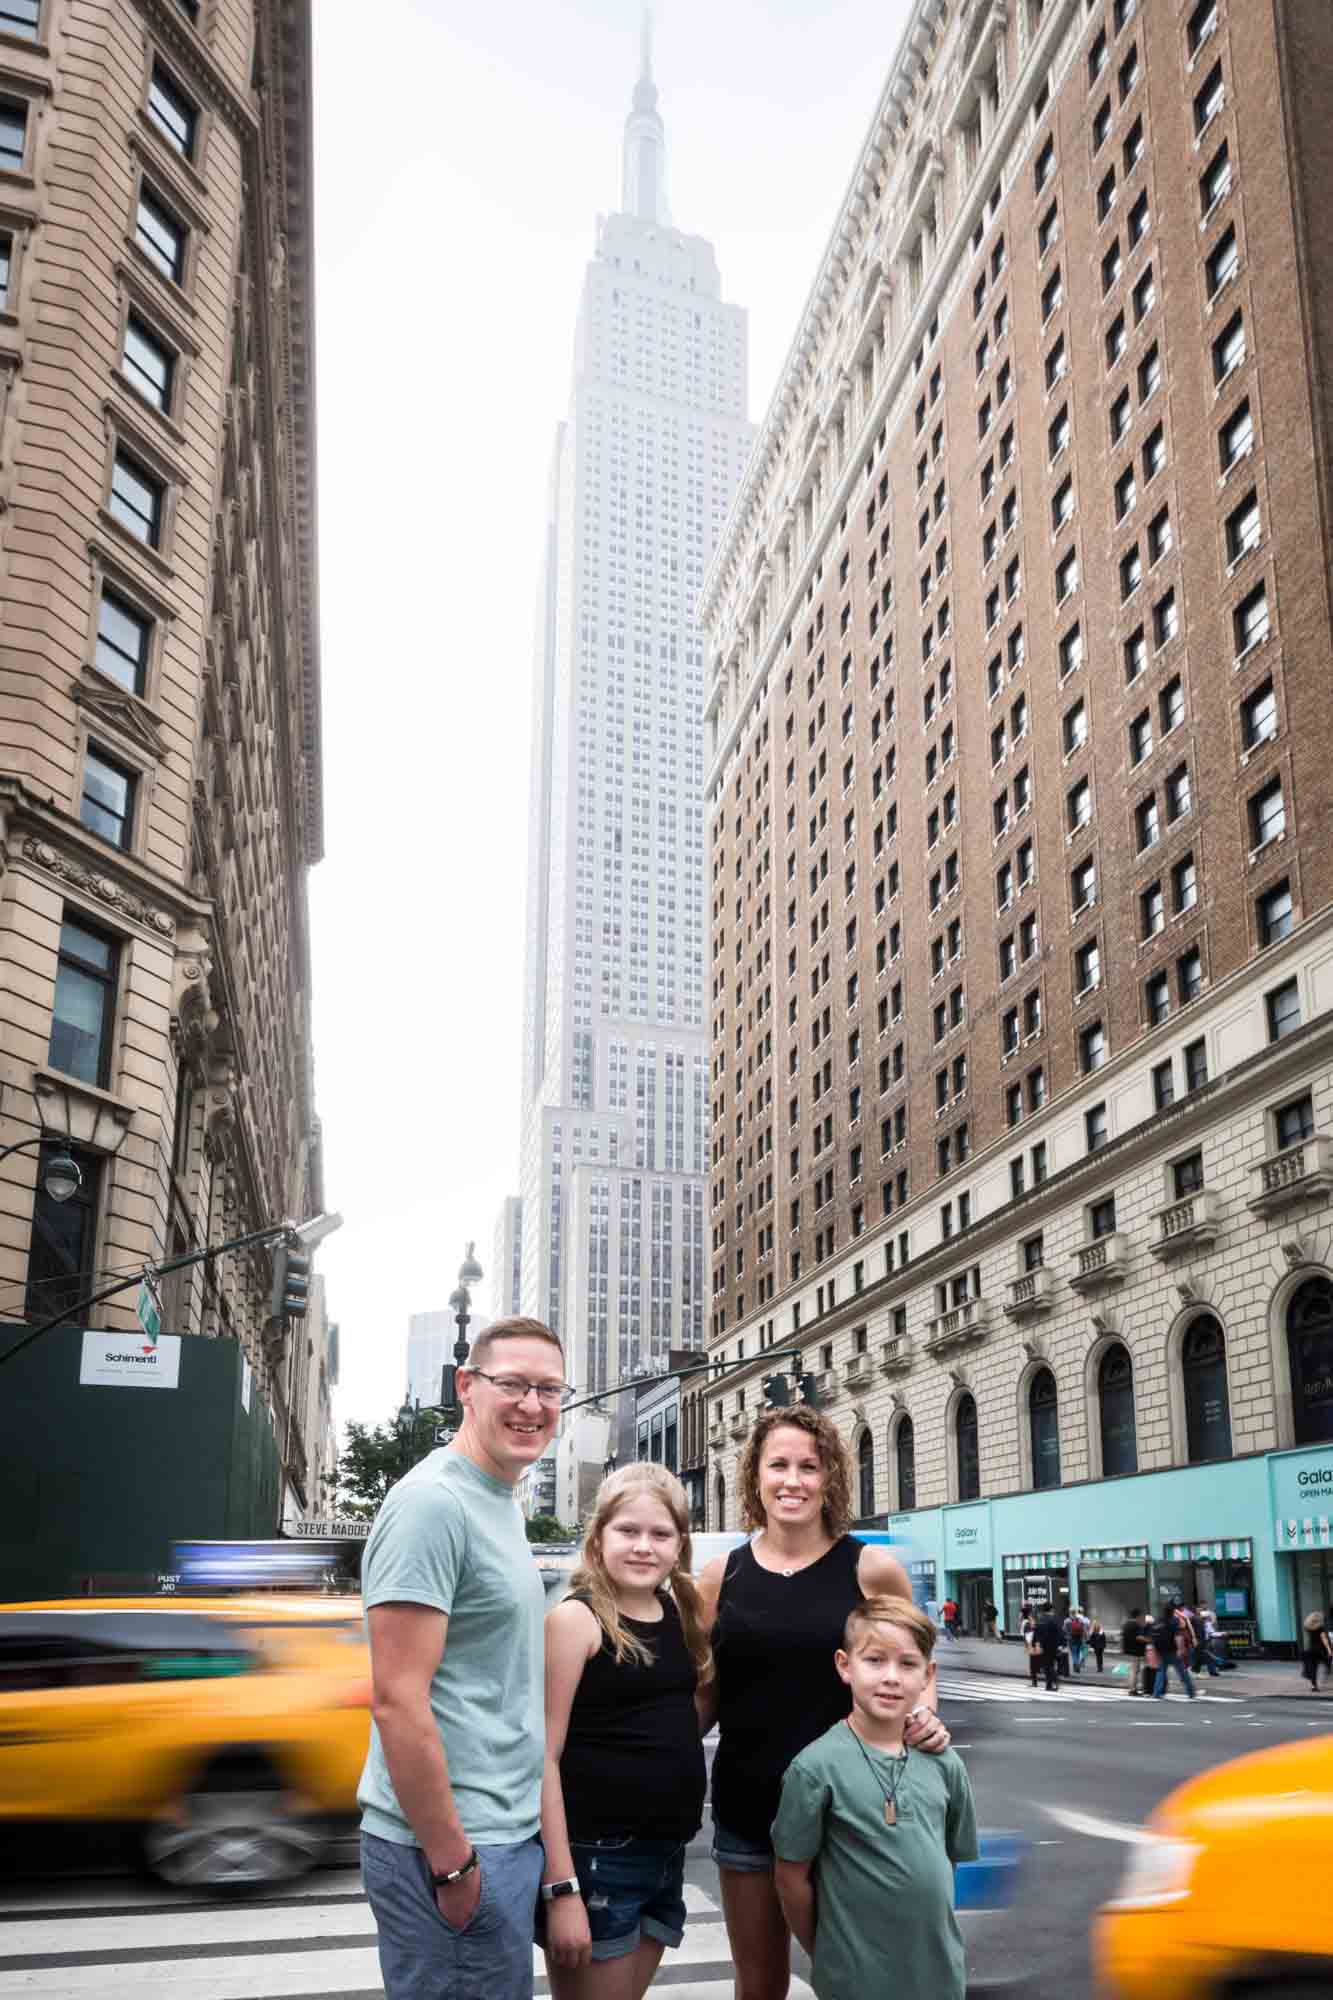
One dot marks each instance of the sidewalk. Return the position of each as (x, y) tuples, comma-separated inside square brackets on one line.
[(1253, 1679)]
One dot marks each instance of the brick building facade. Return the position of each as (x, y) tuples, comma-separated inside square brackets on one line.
[(159, 665), (1020, 651)]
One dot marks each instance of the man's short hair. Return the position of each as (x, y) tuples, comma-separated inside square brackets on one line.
[(509, 1329), (898, 1611)]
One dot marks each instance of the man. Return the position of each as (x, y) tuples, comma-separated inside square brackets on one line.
[(1048, 1636), (1166, 1635), (949, 1617), (1132, 1639), (454, 1604), (989, 1613), (1076, 1638)]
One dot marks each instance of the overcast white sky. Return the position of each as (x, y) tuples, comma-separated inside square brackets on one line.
[(461, 159)]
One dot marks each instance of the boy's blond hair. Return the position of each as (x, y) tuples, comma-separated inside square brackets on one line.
[(899, 1611)]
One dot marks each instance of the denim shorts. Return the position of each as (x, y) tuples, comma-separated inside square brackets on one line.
[(734, 1850), (424, 1958), (632, 1889)]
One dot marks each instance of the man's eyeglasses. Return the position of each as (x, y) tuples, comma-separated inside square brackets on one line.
[(514, 1388)]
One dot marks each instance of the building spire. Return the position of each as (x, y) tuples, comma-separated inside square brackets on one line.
[(643, 191)]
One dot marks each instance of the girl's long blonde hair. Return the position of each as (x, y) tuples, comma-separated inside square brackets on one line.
[(591, 1581)]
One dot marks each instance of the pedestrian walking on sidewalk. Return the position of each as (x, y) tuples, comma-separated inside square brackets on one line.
[(1097, 1641), (989, 1613), (1132, 1642), (868, 1831), (1205, 1632), (624, 1781), (1317, 1651), (1076, 1638), (949, 1617), (1048, 1637), (451, 1791), (1028, 1629), (780, 1605), (1168, 1637)]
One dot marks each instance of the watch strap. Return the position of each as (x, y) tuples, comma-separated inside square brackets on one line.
[(453, 1875), (551, 1891)]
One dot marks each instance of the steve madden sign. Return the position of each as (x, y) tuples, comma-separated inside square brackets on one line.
[(129, 1361), (345, 1530)]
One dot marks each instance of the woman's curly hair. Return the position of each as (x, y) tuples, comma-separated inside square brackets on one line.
[(833, 1456)]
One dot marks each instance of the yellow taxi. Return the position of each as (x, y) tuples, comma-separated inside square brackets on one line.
[(230, 1732), (1228, 1891)]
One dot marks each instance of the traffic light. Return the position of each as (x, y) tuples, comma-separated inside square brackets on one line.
[(809, 1391), (777, 1392), (291, 1283)]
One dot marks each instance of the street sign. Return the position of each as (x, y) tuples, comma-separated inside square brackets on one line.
[(443, 1433), (128, 1361), (342, 1530), (150, 1307)]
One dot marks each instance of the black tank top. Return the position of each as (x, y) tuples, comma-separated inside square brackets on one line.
[(633, 1761), (778, 1688)]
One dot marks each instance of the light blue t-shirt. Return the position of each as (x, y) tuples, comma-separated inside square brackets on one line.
[(451, 1536)]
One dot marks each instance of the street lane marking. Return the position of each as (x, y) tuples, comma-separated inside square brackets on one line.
[(1095, 1828)]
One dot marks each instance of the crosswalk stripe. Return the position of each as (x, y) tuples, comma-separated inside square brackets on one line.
[(71, 1941), (995, 1687)]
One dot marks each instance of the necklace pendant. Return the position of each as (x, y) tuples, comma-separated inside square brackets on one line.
[(890, 1813), (789, 1572)]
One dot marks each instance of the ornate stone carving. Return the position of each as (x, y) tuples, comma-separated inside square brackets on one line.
[(103, 888)]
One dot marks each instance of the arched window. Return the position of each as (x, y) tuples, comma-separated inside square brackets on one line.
[(1310, 1354), (1203, 1368), (1044, 1425), (865, 1461), (720, 1499), (969, 1458), (1115, 1396), (905, 1452)]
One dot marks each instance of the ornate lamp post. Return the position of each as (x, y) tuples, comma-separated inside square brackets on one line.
[(460, 1305)]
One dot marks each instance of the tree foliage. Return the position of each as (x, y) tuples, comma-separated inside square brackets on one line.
[(545, 1528), (374, 1458)]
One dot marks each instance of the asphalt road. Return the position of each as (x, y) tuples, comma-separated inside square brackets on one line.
[(1066, 1770)]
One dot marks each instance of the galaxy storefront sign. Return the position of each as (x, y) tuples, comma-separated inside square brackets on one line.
[(1302, 1487)]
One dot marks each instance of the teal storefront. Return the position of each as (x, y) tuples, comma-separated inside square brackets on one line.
[(1251, 1538)]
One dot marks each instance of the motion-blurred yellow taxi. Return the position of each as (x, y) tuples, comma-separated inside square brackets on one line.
[(231, 1731), (1229, 1891)]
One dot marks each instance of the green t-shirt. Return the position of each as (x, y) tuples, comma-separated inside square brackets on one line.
[(884, 1894), (450, 1536)]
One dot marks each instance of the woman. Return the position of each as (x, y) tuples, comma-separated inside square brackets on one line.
[(1318, 1650), (777, 1607), (1028, 1634), (1097, 1641)]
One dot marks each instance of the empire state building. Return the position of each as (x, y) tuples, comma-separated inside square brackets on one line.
[(615, 1097)]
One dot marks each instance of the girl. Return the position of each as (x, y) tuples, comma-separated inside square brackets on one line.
[(780, 1605), (1097, 1640), (623, 1788)]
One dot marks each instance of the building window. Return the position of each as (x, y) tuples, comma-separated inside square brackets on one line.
[(1250, 620), (1283, 1007), (1268, 815), (1274, 913), (175, 117), (1203, 1367), (1101, 1218), (61, 1249), (1235, 440), (1044, 1424), (123, 639), (1163, 1086), (148, 364), (1196, 1064), (20, 17), (1184, 884), (1157, 999), (1310, 1358), (1223, 261), (1115, 1398), (161, 236), (969, 1458), (84, 1004), (1258, 716), (1186, 1176), (1152, 911), (1229, 348), (13, 135), (137, 500), (1095, 1127), (1293, 1122), (905, 1455), (106, 807), (865, 1466)]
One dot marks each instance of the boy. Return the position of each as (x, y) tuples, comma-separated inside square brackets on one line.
[(873, 1827)]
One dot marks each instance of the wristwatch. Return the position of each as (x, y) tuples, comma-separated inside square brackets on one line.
[(552, 1890), (455, 1874)]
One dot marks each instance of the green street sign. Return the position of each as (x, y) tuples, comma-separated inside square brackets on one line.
[(150, 1309)]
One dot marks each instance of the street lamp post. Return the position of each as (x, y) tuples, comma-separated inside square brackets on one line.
[(61, 1176), (460, 1305)]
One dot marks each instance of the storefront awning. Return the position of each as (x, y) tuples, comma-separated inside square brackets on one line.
[(1131, 1552), (1208, 1551), (1044, 1559)]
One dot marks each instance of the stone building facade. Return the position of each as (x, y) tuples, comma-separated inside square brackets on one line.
[(1022, 921), (160, 778)]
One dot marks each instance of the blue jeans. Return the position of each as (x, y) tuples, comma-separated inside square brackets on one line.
[(424, 1958), (1173, 1660), (734, 1850), (1078, 1653), (632, 1889)]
